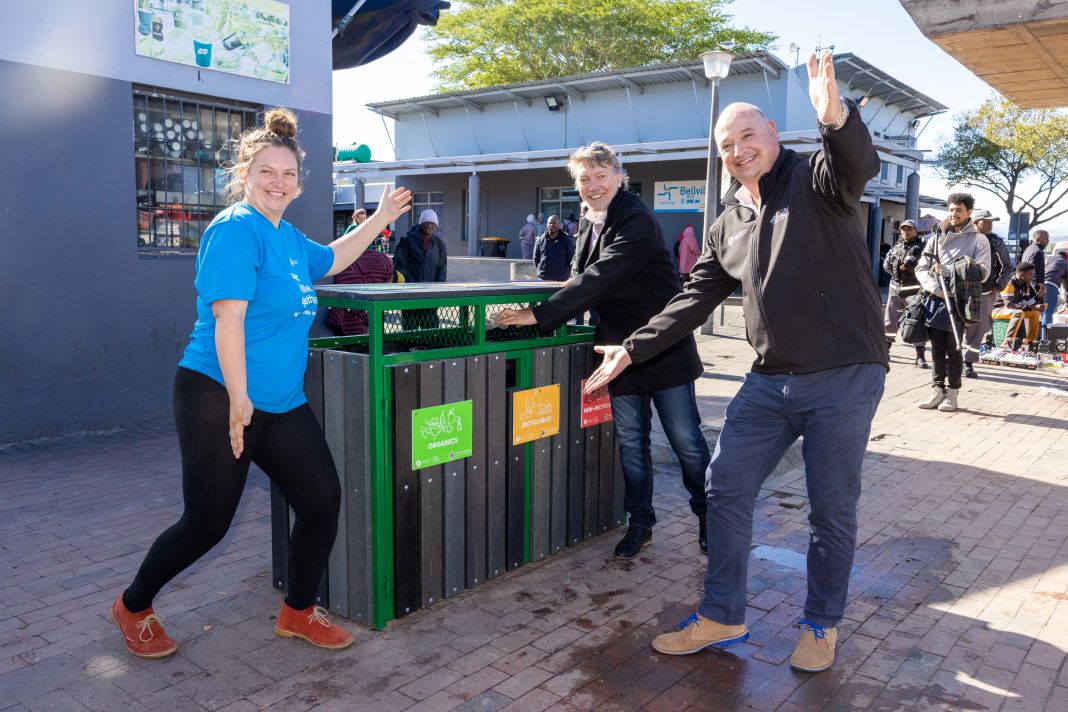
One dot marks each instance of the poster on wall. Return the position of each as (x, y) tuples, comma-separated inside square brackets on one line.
[(246, 37), (679, 196), (441, 433)]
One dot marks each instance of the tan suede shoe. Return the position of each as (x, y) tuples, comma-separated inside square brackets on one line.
[(697, 633), (815, 649)]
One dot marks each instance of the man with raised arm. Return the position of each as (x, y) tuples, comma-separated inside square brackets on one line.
[(791, 236)]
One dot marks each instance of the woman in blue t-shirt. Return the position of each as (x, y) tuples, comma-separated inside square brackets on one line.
[(239, 392)]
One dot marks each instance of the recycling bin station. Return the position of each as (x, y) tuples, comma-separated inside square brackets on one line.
[(465, 449)]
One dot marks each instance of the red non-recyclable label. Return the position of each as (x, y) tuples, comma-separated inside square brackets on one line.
[(596, 408)]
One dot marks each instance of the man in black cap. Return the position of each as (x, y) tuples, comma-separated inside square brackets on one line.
[(1000, 274), (900, 264)]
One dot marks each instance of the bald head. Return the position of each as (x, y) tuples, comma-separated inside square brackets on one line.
[(748, 141)]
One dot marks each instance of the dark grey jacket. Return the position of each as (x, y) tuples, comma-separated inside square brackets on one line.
[(802, 261), (418, 264), (628, 276), (999, 277)]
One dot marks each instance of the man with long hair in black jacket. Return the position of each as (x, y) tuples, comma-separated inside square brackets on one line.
[(792, 237)]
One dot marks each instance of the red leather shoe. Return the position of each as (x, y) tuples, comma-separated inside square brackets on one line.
[(312, 625), (143, 632)]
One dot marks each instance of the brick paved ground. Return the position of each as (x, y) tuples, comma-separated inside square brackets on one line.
[(959, 600)]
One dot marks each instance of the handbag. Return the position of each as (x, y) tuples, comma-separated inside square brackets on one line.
[(913, 323), (935, 312)]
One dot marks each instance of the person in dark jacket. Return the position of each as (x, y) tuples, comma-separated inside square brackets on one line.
[(625, 272), (421, 256), (900, 264), (553, 252), (792, 238), (1000, 274)]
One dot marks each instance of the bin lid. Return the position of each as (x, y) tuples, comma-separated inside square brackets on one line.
[(432, 290)]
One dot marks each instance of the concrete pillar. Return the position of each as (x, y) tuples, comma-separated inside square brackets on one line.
[(473, 189), (912, 196), (359, 197), (875, 236)]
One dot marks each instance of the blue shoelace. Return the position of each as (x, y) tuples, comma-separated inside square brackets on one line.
[(691, 620), (817, 630)]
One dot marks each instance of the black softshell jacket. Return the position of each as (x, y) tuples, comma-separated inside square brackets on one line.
[(802, 261)]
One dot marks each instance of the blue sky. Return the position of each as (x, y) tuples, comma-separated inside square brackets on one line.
[(879, 31)]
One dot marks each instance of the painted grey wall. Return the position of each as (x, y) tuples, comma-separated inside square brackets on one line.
[(93, 333), (666, 112), (98, 39)]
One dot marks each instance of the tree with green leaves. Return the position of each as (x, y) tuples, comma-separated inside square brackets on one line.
[(486, 42), (1019, 155)]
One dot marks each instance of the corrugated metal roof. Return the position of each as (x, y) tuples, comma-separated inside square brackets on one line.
[(863, 79), (633, 78)]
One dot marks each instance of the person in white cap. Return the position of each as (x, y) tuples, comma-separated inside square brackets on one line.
[(1000, 274), (421, 255)]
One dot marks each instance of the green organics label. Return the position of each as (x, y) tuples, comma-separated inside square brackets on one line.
[(441, 433)]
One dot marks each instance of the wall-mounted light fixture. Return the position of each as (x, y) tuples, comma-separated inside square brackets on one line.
[(553, 103)]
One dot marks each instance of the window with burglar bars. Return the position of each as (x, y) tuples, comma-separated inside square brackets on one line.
[(434, 201), (181, 144)]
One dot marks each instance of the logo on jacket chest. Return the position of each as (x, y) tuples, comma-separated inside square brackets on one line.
[(737, 236), (779, 216)]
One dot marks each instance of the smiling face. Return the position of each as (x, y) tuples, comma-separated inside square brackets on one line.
[(272, 181), (748, 142), (597, 185), (959, 215), (554, 225)]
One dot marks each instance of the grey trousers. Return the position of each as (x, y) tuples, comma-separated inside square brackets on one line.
[(974, 333)]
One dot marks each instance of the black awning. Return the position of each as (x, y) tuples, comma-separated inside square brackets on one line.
[(378, 27)]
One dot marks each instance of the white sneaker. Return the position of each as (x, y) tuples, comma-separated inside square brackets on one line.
[(950, 403), (937, 396)]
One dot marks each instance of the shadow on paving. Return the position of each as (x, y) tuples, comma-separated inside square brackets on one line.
[(923, 629)]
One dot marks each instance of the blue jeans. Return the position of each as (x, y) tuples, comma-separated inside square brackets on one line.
[(1052, 296), (832, 410), (633, 419)]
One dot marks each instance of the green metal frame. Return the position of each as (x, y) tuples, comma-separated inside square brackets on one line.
[(380, 387)]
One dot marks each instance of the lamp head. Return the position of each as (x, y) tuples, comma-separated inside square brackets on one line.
[(717, 63)]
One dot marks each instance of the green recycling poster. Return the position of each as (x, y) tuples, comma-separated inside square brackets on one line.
[(246, 37), (441, 433)]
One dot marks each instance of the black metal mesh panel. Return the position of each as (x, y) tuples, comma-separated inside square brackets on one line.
[(496, 332)]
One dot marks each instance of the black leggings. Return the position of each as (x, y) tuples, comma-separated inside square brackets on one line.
[(289, 447), (946, 358)]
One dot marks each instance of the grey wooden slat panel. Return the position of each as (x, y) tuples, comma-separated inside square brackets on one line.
[(475, 506), (432, 550), (455, 389), (576, 461), (559, 445), (619, 515), (359, 474), (591, 469), (313, 391), (541, 468), (406, 524), (607, 467), (497, 437), (335, 395), (515, 497)]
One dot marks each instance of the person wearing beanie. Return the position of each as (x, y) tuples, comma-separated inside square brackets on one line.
[(421, 255)]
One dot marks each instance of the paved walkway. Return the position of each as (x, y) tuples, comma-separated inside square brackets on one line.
[(959, 600)]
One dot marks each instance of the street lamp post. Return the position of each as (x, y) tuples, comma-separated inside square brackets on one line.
[(717, 65)]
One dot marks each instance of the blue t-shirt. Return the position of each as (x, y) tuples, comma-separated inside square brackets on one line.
[(243, 256)]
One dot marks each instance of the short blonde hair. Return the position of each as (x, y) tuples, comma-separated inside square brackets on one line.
[(596, 154), (279, 129)]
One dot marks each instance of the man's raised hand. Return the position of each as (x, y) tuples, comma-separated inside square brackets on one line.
[(823, 89)]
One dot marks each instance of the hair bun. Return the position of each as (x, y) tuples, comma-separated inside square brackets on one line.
[(281, 121)]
